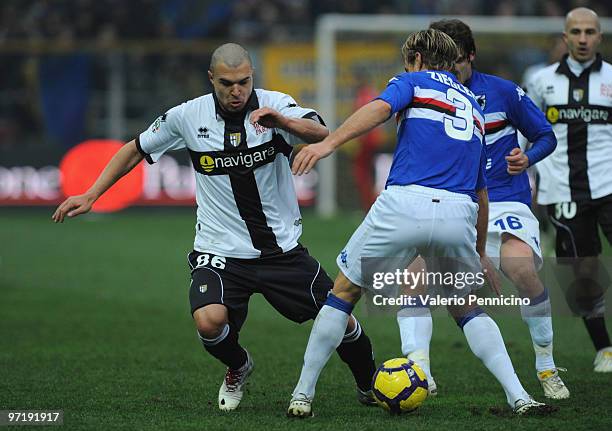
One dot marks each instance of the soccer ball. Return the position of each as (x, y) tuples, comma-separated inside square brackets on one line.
[(399, 385)]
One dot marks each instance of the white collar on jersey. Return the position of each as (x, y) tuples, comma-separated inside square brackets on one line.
[(577, 67)]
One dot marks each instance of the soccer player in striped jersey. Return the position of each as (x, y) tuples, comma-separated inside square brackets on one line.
[(434, 204), (248, 219), (513, 232), (576, 181)]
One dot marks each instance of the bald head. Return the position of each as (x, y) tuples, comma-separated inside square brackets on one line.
[(581, 14), (231, 54), (231, 74), (582, 34)]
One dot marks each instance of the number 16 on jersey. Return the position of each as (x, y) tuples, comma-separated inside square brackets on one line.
[(509, 223)]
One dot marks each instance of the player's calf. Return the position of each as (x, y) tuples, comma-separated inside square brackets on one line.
[(518, 264), (326, 335), (485, 341), (220, 339), (356, 351)]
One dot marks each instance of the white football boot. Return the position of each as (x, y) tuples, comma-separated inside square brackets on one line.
[(530, 406), (300, 407), (232, 389), (422, 360), (553, 385), (603, 361)]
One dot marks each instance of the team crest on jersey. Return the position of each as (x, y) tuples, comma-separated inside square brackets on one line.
[(578, 94), (235, 139), (482, 100)]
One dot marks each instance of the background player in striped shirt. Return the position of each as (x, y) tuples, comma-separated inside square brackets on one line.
[(513, 232), (434, 204), (576, 181)]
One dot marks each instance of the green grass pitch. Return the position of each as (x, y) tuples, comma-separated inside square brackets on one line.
[(94, 320)]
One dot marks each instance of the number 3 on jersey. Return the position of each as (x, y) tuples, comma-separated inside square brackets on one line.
[(461, 126), (512, 222)]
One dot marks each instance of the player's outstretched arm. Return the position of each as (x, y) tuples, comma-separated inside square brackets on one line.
[(482, 224), (362, 121), (304, 128), (121, 163)]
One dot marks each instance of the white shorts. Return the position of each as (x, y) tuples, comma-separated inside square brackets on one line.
[(406, 221), (516, 219)]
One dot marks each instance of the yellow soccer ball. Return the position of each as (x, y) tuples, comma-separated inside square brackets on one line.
[(399, 385)]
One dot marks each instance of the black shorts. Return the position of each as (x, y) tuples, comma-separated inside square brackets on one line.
[(294, 283), (577, 224)]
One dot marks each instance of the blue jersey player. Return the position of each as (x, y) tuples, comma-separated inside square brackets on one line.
[(434, 204), (513, 232)]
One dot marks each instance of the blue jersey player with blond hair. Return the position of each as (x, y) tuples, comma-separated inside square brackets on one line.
[(513, 231), (435, 204)]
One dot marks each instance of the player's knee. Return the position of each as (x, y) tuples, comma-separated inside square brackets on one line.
[(345, 289), (210, 320), (518, 264)]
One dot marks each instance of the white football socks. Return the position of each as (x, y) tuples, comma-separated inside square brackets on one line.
[(487, 344), (538, 319), (416, 327), (326, 334)]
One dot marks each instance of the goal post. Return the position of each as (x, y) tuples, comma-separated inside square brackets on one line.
[(330, 26)]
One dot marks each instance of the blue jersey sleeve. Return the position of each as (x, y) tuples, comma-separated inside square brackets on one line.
[(530, 121), (481, 181), (399, 92)]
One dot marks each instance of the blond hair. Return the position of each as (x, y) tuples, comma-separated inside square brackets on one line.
[(438, 50)]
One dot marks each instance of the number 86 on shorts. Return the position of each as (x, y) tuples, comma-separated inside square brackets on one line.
[(210, 260)]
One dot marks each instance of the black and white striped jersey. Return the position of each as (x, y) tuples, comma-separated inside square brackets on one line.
[(580, 111), (247, 206)]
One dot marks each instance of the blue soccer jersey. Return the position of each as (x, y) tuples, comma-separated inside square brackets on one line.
[(440, 133), (507, 109)]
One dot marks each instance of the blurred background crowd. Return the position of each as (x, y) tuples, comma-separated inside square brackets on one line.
[(80, 69), (246, 20)]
